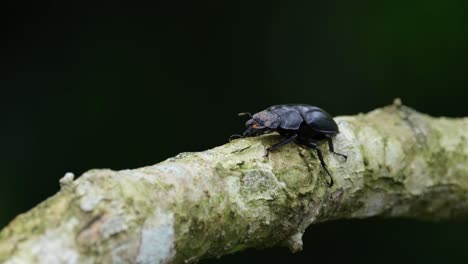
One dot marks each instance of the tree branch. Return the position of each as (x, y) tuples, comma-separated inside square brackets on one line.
[(401, 163)]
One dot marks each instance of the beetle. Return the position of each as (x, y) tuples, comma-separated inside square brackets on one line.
[(300, 123)]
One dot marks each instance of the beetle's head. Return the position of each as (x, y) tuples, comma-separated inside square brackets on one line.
[(260, 123)]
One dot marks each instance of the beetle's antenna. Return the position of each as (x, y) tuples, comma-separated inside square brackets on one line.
[(235, 136), (245, 113)]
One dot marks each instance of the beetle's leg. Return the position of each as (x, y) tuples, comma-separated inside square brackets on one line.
[(282, 143), (330, 147), (320, 156)]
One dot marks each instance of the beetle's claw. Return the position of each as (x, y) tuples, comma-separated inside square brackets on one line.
[(267, 153), (341, 155), (331, 182)]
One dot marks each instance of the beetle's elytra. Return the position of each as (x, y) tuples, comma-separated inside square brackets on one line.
[(299, 123)]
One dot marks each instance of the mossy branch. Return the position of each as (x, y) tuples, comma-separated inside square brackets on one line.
[(401, 163)]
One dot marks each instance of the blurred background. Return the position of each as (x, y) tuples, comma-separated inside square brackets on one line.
[(117, 86)]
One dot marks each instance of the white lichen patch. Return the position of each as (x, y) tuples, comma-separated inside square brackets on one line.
[(373, 146), (157, 239), (394, 154), (259, 185), (90, 196), (174, 170), (232, 187), (347, 143), (171, 176), (346, 135), (124, 253), (89, 202), (374, 203), (112, 226), (51, 242), (420, 179), (294, 242), (67, 179), (139, 174), (54, 247), (450, 138)]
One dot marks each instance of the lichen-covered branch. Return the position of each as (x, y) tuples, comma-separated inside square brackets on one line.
[(401, 163)]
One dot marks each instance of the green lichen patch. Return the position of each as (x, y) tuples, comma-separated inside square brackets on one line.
[(400, 163)]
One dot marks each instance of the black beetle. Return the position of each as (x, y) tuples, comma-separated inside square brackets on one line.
[(299, 123)]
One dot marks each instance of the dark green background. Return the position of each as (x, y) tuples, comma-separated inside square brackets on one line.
[(117, 86)]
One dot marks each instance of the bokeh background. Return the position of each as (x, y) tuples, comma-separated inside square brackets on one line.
[(123, 86)]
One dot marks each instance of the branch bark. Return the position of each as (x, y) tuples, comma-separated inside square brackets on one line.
[(401, 163)]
